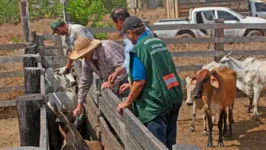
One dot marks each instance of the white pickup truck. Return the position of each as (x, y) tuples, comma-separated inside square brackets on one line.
[(206, 15)]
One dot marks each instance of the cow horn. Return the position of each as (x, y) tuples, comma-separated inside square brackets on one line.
[(240, 57), (228, 54)]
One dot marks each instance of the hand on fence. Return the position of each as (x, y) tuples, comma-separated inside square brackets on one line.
[(106, 85), (78, 110), (124, 87), (112, 77), (122, 105)]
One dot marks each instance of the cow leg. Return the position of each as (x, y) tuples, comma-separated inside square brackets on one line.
[(230, 134), (210, 125), (194, 114), (204, 132), (220, 126), (250, 103), (225, 126), (257, 91)]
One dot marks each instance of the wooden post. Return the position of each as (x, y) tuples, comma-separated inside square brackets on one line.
[(44, 136), (31, 60), (167, 9), (66, 15), (176, 9), (28, 109), (24, 14), (32, 78), (219, 34)]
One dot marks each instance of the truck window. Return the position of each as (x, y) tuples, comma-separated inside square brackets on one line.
[(260, 7), (208, 15), (225, 15), (199, 18)]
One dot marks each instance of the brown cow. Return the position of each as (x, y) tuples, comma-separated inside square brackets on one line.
[(218, 90)]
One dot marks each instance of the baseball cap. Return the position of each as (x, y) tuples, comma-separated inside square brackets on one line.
[(132, 23), (55, 24)]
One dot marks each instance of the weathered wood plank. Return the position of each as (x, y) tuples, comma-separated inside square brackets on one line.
[(189, 40), (188, 68), (52, 47), (185, 147), (245, 25), (12, 46), (92, 112), (44, 136), (10, 59), (28, 108), (194, 54), (107, 138), (31, 60), (126, 137), (12, 88), (25, 148), (160, 27), (243, 39), (144, 136), (11, 74), (7, 103), (32, 80), (214, 53), (57, 61)]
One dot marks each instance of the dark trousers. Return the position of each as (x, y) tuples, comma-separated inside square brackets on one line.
[(163, 127)]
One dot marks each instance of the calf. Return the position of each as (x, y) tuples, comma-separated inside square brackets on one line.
[(196, 104), (217, 89)]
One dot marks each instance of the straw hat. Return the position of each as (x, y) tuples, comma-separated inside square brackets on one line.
[(82, 46)]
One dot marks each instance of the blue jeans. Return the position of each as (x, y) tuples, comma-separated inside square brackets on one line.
[(163, 127)]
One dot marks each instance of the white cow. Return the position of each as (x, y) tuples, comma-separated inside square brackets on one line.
[(251, 74)]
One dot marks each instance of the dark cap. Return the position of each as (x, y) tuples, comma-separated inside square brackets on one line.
[(132, 23), (55, 24)]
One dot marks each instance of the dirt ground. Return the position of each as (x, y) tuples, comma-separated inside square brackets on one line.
[(248, 134), (9, 132)]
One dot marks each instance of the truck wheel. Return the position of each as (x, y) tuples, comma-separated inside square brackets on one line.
[(254, 33), (186, 35)]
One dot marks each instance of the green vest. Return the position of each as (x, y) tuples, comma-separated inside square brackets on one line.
[(163, 86)]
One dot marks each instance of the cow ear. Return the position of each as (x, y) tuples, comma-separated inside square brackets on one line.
[(193, 81), (214, 82)]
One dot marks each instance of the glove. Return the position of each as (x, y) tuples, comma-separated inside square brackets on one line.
[(62, 71)]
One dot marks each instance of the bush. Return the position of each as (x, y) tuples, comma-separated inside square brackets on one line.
[(9, 11), (40, 9), (83, 11)]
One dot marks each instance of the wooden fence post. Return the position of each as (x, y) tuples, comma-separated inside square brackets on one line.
[(219, 34), (28, 109), (32, 73), (24, 14), (32, 77), (66, 15)]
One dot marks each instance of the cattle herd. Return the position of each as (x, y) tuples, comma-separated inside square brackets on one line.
[(213, 89)]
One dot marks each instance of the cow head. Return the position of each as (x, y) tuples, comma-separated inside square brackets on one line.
[(190, 86), (205, 81)]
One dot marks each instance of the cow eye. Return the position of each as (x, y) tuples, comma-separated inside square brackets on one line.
[(206, 80)]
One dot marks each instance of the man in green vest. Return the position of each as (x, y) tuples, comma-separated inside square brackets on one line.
[(155, 86)]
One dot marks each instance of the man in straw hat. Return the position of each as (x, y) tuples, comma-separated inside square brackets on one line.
[(156, 90), (72, 32), (101, 57)]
